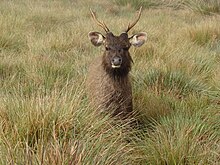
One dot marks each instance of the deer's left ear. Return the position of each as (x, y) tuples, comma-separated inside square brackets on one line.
[(138, 39)]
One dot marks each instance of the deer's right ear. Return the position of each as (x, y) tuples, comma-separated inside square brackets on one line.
[(96, 38)]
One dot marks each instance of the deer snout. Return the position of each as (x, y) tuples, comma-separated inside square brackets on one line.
[(116, 61)]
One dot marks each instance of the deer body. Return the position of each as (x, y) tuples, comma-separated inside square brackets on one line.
[(108, 93), (108, 82)]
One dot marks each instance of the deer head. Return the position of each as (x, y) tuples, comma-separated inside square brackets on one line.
[(116, 58)]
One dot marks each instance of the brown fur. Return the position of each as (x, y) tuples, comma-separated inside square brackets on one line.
[(109, 89)]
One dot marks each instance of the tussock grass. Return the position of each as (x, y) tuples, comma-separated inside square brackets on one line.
[(59, 128), (182, 139), (45, 116), (205, 35)]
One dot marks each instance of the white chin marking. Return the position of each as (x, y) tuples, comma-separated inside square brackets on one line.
[(116, 66)]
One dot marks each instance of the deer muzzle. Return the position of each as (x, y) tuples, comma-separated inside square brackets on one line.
[(116, 61)]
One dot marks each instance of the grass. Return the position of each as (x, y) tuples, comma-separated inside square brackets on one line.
[(204, 6), (45, 116), (207, 7)]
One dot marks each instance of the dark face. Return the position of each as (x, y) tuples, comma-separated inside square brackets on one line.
[(116, 58)]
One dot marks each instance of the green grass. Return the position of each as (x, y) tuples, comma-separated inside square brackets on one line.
[(45, 115)]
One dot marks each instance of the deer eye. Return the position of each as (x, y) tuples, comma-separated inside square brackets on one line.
[(107, 48), (125, 49)]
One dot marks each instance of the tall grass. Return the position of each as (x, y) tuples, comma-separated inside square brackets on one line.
[(204, 6), (45, 116), (182, 139), (137, 3)]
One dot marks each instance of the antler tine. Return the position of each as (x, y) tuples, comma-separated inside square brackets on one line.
[(101, 24), (134, 23)]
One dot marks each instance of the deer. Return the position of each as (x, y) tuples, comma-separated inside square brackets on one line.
[(108, 81)]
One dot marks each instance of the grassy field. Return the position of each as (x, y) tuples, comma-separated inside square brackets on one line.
[(45, 116)]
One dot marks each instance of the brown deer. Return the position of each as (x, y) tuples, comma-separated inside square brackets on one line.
[(108, 83)]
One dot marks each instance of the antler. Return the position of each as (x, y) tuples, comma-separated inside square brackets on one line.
[(134, 23), (101, 24)]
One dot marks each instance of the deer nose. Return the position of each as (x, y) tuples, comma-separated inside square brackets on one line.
[(116, 61)]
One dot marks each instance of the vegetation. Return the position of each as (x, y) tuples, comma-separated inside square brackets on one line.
[(45, 116)]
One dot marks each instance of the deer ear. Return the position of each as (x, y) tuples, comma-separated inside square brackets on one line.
[(96, 38), (138, 39)]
